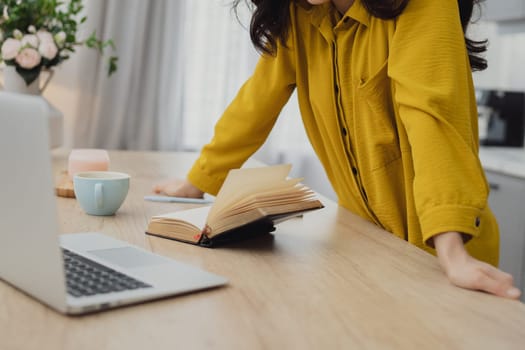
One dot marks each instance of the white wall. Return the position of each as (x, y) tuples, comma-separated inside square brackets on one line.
[(506, 55), (63, 94)]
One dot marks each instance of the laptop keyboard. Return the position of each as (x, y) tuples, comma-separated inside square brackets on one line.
[(85, 277)]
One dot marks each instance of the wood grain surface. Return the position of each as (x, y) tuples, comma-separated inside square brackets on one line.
[(329, 280), (64, 185)]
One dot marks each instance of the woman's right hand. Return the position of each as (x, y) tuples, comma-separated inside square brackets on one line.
[(467, 272), (178, 188)]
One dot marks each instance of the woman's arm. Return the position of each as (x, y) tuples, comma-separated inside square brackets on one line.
[(466, 272), (433, 86), (244, 125), (242, 129)]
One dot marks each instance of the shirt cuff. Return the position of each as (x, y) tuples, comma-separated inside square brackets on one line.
[(463, 219), (200, 178)]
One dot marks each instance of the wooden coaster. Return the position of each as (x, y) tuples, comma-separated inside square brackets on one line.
[(64, 186)]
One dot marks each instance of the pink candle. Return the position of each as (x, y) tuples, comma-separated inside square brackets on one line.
[(87, 160)]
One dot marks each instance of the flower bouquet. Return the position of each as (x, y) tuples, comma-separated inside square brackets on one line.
[(36, 35)]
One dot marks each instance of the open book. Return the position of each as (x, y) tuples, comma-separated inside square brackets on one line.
[(249, 203)]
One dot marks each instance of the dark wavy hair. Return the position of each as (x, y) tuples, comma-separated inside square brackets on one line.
[(271, 18)]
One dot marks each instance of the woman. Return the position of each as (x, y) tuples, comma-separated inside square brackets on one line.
[(386, 96)]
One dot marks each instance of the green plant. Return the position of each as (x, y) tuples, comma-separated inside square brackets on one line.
[(39, 34)]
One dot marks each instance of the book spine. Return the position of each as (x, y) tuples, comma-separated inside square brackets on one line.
[(204, 241)]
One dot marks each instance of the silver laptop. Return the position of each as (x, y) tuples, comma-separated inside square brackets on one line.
[(72, 273)]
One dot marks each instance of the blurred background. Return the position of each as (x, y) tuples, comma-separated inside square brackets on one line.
[(182, 62)]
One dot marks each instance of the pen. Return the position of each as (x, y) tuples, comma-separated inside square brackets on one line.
[(169, 199)]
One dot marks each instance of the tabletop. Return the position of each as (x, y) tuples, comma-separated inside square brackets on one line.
[(328, 280)]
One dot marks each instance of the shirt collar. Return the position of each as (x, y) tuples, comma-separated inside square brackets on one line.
[(357, 12)]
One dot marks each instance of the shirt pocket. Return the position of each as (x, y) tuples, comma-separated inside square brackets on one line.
[(374, 122)]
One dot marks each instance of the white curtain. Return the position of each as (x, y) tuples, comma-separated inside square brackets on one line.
[(181, 62), (137, 107)]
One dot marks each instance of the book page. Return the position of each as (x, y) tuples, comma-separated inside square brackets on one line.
[(279, 189), (276, 212), (291, 195), (242, 182), (196, 217)]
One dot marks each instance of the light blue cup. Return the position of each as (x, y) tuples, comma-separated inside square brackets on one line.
[(101, 192)]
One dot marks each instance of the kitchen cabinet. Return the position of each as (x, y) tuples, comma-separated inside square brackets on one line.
[(507, 201), (504, 10)]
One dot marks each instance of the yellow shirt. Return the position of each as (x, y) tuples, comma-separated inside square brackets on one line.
[(389, 108)]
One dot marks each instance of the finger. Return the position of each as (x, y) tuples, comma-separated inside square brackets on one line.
[(484, 282), (167, 187), (501, 287), (160, 189), (498, 274), (513, 293), (505, 280), (173, 190)]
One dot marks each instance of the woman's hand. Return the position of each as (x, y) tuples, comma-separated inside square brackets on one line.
[(466, 272), (178, 188)]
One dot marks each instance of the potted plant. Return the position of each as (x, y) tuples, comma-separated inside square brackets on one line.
[(36, 35)]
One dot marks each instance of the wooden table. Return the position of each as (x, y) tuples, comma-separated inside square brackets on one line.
[(327, 281)]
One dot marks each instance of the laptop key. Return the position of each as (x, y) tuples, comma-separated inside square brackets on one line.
[(85, 277)]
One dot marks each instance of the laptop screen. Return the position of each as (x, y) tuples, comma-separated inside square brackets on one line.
[(30, 258)]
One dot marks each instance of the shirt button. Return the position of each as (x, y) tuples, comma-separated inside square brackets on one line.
[(478, 221), (354, 170), (344, 132), (336, 88)]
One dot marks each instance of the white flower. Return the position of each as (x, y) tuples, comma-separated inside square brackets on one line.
[(28, 58), (5, 14), (10, 49), (31, 29), (30, 40), (18, 34), (60, 38), (48, 49), (44, 36)]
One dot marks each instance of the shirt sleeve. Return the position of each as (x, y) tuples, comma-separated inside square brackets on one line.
[(433, 89), (248, 120)]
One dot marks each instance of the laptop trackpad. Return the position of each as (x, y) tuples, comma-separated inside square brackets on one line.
[(127, 257)]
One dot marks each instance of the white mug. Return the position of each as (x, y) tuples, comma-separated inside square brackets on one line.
[(101, 192)]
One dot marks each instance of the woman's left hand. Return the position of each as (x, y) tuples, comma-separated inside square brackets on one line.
[(466, 272), (178, 188)]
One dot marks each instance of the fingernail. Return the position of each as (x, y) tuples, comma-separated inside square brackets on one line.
[(513, 293)]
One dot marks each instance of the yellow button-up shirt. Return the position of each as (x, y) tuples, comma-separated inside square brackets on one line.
[(389, 108)]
